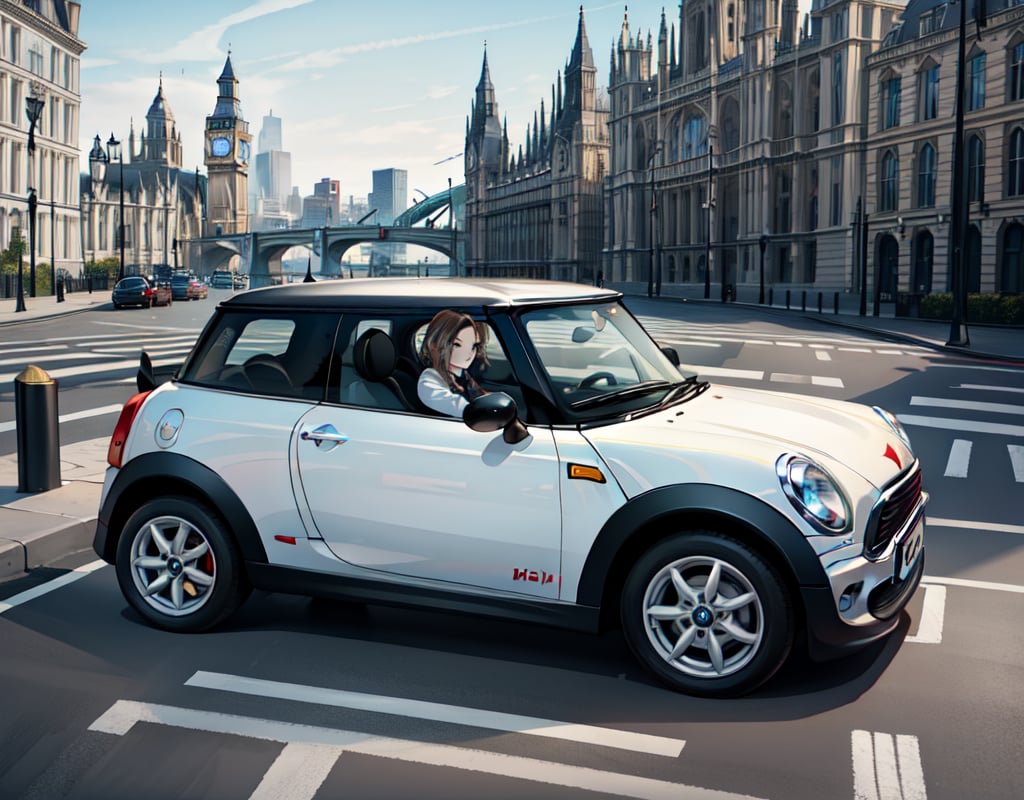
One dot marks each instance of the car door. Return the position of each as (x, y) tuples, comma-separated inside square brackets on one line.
[(406, 493)]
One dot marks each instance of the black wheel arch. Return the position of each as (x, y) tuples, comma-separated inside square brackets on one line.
[(654, 515), (161, 474)]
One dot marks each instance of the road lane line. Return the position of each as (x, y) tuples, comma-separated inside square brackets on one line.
[(978, 387), (124, 714), (995, 527), (298, 772), (1017, 461), (967, 405), (99, 411), (727, 372), (959, 459), (933, 613), (822, 355), (886, 767), (961, 425), (820, 380), (38, 591), (439, 712), (969, 584)]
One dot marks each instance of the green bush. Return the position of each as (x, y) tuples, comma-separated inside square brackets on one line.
[(1000, 309)]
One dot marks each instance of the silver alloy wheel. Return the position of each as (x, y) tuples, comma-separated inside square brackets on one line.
[(173, 566), (703, 617)]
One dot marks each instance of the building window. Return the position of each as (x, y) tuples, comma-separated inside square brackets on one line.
[(975, 170), (892, 91), (838, 89), (695, 140), (836, 217), (924, 250), (930, 93), (1015, 182), (976, 94), (1011, 279), (926, 168), (890, 182), (732, 24), (1016, 77)]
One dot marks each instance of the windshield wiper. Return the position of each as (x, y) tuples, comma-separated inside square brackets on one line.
[(687, 390), (621, 394)]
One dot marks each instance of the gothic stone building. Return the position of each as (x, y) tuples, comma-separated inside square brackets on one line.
[(163, 204), (827, 144), (538, 212)]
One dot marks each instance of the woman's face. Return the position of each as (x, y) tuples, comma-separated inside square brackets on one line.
[(464, 347)]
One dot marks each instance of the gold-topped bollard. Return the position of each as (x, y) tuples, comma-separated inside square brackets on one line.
[(35, 419)]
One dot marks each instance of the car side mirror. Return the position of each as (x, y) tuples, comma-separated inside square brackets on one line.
[(495, 411), (670, 354), (582, 334)]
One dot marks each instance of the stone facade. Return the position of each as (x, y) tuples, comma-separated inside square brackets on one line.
[(40, 56)]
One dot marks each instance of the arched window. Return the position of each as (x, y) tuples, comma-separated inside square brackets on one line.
[(1015, 67), (675, 134), (926, 167), (695, 140), (1015, 165), (889, 182), (1011, 277), (924, 252), (928, 85), (731, 32), (975, 169), (730, 125), (891, 92)]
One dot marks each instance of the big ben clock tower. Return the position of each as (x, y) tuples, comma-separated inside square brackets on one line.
[(226, 156)]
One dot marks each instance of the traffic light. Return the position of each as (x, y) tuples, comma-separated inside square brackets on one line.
[(380, 233)]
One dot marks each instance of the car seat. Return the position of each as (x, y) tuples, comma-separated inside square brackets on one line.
[(374, 358)]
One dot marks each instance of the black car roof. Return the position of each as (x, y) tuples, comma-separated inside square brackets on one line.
[(415, 293)]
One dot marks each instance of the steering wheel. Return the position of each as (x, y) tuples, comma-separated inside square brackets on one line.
[(594, 377)]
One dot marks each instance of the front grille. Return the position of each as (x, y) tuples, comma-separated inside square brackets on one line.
[(893, 509)]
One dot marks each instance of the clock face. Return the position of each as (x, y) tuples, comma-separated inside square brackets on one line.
[(220, 146)]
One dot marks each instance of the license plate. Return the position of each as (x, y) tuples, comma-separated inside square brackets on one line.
[(908, 550)]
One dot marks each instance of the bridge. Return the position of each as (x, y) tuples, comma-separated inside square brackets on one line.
[(259, 253)]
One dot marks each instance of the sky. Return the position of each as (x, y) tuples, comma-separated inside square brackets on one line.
[(358, 86)]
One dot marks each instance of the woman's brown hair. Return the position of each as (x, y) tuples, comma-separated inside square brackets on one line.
[(436, 349)]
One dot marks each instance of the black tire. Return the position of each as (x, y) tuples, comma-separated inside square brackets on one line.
[(201, 588), (724, 649)]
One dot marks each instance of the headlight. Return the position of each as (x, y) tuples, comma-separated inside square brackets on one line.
[(813, 493), (894, 424)]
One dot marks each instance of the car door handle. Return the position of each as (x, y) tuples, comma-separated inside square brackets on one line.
[(325, 433)]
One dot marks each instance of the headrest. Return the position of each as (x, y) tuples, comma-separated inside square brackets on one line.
[(374, 355)]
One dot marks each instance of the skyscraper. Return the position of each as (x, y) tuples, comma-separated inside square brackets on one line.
[(273, 178)]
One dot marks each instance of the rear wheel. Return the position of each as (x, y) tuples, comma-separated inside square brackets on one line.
[(707, 615), (178, 566)]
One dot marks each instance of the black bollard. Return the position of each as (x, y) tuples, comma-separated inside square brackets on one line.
[(819, 302), (803, 299), (60, 289), (835, 302), (35, 412), (787, 299)]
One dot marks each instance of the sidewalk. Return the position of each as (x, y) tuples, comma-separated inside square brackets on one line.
[(37, 528)]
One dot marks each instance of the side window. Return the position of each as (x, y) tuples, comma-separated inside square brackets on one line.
[(281, 355)]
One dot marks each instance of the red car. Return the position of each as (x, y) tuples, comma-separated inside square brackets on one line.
[(197, 290)]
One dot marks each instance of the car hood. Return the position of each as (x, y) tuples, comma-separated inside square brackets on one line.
[(740, 426)]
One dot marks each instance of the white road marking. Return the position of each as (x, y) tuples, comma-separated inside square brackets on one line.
[(959, 459), (41, 362), (889, 352), (1017, 461), (822, 346), (933, 613), (99, 411), (439, 712), (835, 383), (855, 349), (726, 372), (961, 425), (49, 586), (886, 768), (789, 344), (996, 527), (822, 355), (687, 342), (124, 714), (976, 387), (298, 772), (966, 405), (969, 584)]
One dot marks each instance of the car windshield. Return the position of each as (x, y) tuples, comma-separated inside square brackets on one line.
[(598, 359), (181, 279)]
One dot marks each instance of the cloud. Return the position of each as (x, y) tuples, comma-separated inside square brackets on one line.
[(204, 44)]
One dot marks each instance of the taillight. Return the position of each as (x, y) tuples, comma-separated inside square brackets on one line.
[(115, 452)]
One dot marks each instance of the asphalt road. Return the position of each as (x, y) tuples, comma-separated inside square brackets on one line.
[(368, 702)]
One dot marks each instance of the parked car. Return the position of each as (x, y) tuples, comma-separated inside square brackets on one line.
[(179, 286), (197, 290), (137, 291), (594, 482)]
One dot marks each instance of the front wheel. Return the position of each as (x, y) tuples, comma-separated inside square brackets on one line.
[(178, 566), (707, 615)]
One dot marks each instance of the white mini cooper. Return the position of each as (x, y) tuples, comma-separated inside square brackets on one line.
[(594, 483)]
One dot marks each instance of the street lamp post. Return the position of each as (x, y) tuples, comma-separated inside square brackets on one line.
[(97, 165), (33, 110), (763, 244), (709, 205), (654, 216), (114, 153)]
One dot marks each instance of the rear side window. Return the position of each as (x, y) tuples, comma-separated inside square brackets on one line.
[(285, 355)]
